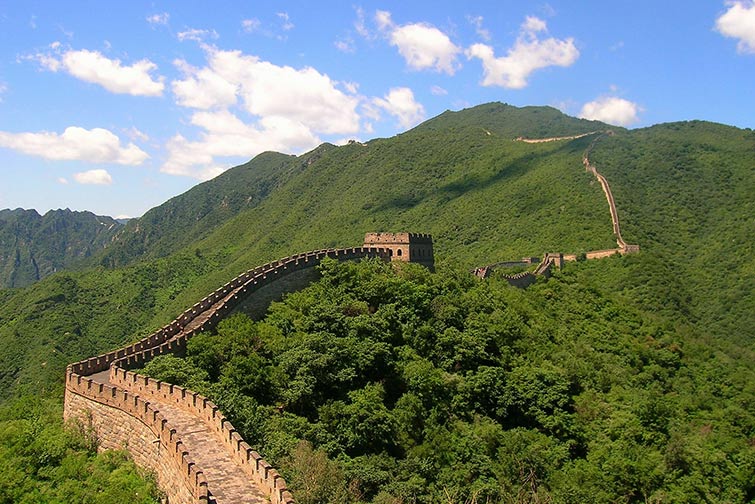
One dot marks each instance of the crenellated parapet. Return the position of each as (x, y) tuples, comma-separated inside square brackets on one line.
[(144, 415), (406, 247)]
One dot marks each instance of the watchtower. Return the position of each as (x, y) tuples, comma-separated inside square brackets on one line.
[(406, 247)]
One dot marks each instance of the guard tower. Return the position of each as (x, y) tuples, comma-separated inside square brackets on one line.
[(407, 247)]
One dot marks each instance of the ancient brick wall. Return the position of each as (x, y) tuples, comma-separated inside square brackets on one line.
[(125, 421), (406, 247), (125, 411)]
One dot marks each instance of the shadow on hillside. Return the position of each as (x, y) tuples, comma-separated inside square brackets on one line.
[(510, 171)]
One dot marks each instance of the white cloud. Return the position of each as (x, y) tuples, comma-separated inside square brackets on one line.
[(383, 19), (529, 53), (251, 25), (3, 89), (351, 87), (611, 110), (286, 21), (96, 145), (400, 103), (197, 35), (287, 109), (92, 66), (62, 180), (360, 26), (476, 21), (739, 22), (158, 19), (304, 95), (225, 135), (422, 45), (202, 88), (93, 177), (438, 91), (345, 45), (136, 134)]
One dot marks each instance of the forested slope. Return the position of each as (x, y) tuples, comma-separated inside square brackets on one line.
[(685, 193), (482, 195), (34, 246), (624, 378)]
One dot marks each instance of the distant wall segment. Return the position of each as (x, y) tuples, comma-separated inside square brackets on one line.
[(123, 408), (549, 260)]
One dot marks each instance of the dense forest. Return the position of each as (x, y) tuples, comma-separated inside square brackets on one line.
[(391, 384), (625, 379)]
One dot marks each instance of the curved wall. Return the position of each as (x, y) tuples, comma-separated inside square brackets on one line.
[(124, 408)]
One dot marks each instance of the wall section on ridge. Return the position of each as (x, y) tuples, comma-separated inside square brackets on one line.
[(124, 411)]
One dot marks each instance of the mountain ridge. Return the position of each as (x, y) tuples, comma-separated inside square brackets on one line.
[(485, 198)]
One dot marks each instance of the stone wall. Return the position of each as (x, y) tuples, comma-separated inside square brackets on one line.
[(251, 462), (406, 247), (124, 411), (125, 421)]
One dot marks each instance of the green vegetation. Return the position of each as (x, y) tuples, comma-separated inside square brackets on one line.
[(385, 384), (193, 214), (43, 462), (621, 379), (34, 246), (685, 193)]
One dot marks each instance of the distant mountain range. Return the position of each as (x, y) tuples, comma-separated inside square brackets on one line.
[(683, 192), (33, 246)]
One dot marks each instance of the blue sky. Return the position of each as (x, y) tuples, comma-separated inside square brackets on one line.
[(114, 107)]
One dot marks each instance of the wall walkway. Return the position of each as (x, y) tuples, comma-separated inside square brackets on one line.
[(195, 452)]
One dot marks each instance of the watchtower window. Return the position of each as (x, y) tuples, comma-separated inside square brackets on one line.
[(398, 252), (390, 253)]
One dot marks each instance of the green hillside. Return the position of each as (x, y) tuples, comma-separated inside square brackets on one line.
[(34, 246), (459, 176), (685, 192), (627, 378), (191, 215)]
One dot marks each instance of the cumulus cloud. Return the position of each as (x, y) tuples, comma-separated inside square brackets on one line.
[(739, 22), (202, 88), (93, 177), (422, 45), (225, 135), (288, 108), (530, 53), (400, 102), (158, 19), (96, 145), (92, 66), (611, 110)]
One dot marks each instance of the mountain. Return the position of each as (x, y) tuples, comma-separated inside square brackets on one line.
[(682, 192), (33, 246), (191, 215)]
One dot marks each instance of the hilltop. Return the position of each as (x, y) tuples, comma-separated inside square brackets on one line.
[(461, 177)]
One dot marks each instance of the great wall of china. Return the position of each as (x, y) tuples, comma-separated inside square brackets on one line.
[(195, 452), (550, 260)]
